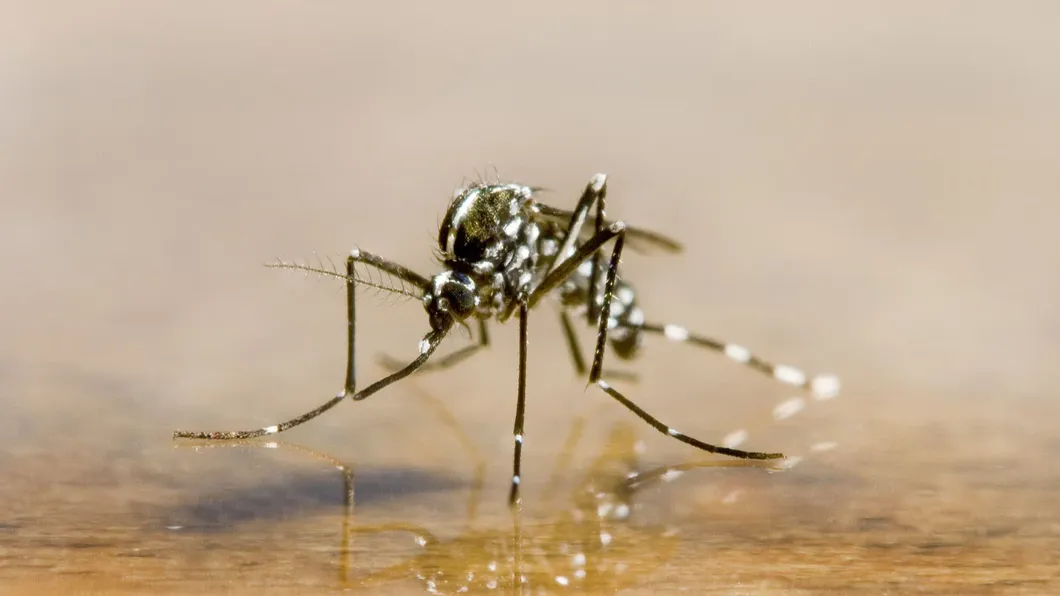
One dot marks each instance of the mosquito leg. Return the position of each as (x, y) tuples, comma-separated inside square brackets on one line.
[(572, 343), (598, 358), (520, 408), (593, 310), (349, 386), (577, 220), (576, 355), (821, 386), (672, 432), (562, 272), (594, 195), (427, 347), (390, 267), (449, 360)]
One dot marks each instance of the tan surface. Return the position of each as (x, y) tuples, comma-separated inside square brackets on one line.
[(866, 191)]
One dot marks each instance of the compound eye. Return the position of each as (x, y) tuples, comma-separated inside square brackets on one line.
[(459, 293)]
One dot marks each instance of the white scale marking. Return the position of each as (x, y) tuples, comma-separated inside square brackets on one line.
[(738, 353), (790, 375), (425, 346), (271, 430), (458, 219), (825, 387), (519, 439), (675, 333), (515, 480), (636, 316)]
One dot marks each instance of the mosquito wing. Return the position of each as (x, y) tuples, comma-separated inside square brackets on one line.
[(639, 239)]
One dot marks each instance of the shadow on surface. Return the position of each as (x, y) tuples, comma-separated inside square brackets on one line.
[(297, 494)]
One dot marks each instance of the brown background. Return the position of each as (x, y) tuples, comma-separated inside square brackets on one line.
[(868, 190)]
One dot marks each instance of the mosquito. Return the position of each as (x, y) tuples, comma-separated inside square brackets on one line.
[(502, 251)]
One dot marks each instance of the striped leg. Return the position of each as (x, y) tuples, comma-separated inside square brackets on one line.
[(598, 359), (576, 355), (822, 387), (427, 347), (520, 408)]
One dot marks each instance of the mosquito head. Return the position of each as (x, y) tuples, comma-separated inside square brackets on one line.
[(452, 297)]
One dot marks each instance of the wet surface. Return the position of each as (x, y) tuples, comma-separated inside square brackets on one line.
[(866, 193)]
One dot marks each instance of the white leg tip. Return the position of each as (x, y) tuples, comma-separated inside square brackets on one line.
[(598, 181), (675, 333), (738, 353), (825, 387)]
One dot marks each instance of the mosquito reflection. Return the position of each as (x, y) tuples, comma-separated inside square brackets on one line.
[(596, 539)]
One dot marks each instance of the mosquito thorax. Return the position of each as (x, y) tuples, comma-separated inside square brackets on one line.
[(451, 297), (481, 228)]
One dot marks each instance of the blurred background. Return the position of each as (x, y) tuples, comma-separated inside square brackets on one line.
[(868, 190)]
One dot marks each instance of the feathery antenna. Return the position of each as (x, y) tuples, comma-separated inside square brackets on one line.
[(381, 280)]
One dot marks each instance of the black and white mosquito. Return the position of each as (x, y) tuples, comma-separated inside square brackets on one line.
[(502, 252)]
